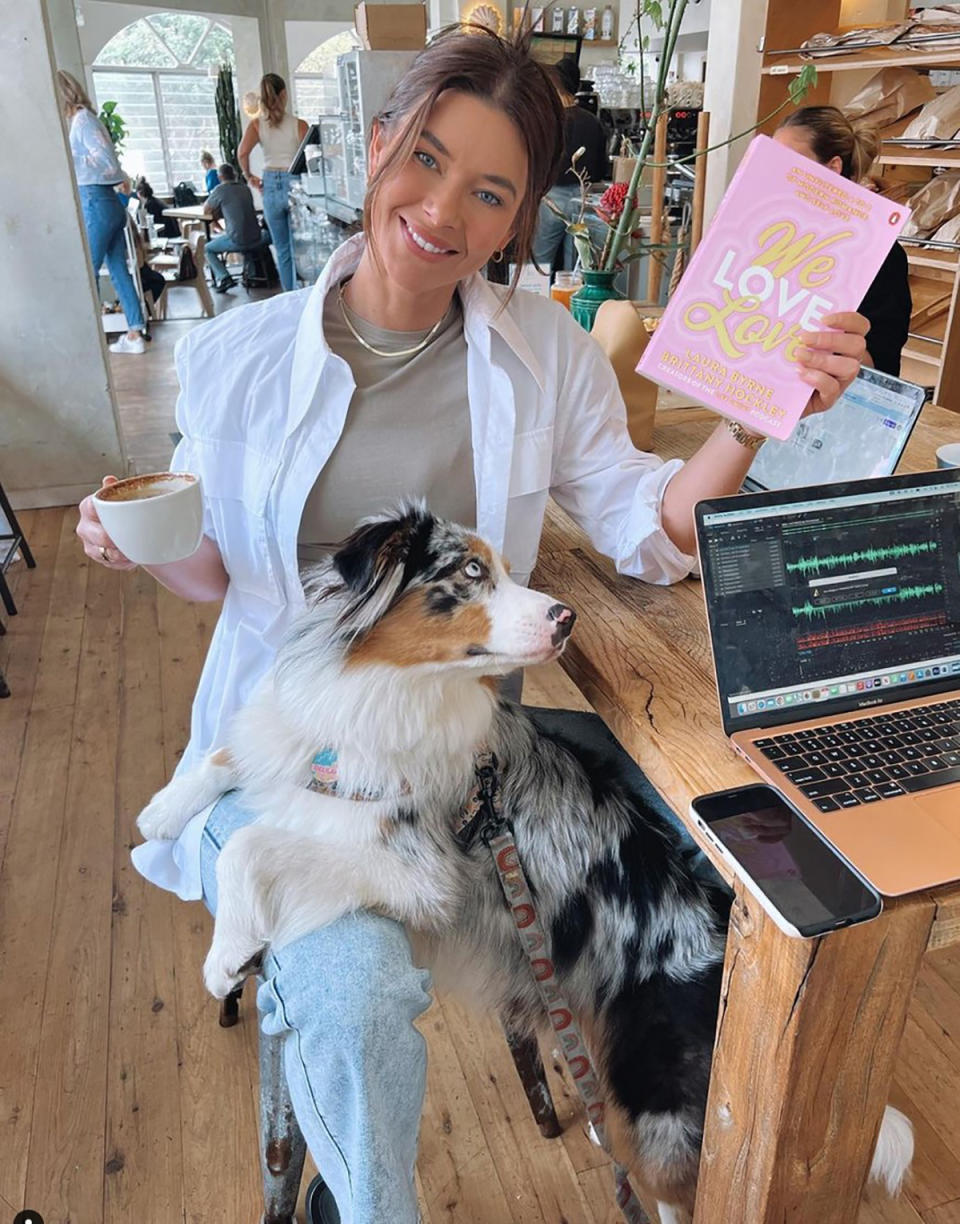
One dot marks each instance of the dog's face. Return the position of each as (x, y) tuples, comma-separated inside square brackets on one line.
[(423, 592)]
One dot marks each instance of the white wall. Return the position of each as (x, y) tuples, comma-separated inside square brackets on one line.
[(304, 36), (58, 431)]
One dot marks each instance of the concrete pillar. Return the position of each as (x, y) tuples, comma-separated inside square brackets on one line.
[(732, 86), (67, 54), (58, 428), (273, 39)]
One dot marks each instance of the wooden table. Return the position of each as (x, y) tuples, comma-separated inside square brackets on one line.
[(191, 212), (808, 1030)]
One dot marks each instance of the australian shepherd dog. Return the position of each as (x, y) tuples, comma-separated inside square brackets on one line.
[(390, 677)]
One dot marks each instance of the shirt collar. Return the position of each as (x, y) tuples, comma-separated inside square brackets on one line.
[(483, 313)]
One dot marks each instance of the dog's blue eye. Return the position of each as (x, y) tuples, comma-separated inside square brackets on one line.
[(473, 569)]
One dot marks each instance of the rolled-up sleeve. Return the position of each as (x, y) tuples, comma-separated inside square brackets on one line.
[(186, 455), (613, 490)]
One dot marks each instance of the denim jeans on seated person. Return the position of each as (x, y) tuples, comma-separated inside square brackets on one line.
[(218, 246), (344, 999), (105, 221)]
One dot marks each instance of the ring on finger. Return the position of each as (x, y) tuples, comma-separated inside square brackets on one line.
[(103, 553)]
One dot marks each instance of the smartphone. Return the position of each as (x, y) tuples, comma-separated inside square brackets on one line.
[(804, 884)]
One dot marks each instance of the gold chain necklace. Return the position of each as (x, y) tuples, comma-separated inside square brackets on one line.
[(417, 348)]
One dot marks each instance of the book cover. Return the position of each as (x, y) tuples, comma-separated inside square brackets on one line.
[(791, 242)]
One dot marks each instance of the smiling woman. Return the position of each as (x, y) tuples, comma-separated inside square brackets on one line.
[(404, 373)]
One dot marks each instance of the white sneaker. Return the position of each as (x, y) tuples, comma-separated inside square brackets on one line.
[(126, 345)]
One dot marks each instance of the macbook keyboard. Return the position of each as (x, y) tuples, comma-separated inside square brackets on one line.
[(869, 759)]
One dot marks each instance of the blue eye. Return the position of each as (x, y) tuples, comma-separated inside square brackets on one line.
[(488, 197), (425, 159)]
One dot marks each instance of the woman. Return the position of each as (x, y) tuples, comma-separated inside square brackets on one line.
[(167, 227), (98, 173), (279, 133), (405, 372), (552, 246), (209, 167), (826, 135)]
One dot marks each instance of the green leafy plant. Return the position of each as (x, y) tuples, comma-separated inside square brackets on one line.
[(622, 215), (228, 116), (114, 124)]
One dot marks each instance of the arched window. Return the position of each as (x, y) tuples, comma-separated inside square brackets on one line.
[(315, 79), (161, 72)]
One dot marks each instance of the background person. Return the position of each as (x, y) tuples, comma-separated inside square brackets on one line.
[(167, 227), (209, 167), (279, 134), (404, 372), (104, 216), (552, 246), (233, 202), (826, 135)]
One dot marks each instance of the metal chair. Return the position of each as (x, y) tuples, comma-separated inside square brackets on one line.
[(282, 1146)]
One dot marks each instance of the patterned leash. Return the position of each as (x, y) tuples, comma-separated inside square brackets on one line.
[(482, 818)]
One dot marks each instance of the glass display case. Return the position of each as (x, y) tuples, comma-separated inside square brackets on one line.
[(365, 80)]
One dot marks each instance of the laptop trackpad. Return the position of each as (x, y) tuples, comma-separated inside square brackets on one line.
[(901, 845)]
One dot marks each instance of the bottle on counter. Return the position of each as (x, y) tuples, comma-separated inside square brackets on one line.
[(589, 24), (565, 285), (608, 21), (573, 19), (556, 20)]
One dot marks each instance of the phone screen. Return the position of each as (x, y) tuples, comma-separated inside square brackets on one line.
[(803, 876)]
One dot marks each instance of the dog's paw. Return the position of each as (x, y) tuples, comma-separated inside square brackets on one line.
[(221, 972), (166, 815)]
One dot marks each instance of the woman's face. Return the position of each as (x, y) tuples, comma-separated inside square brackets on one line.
[(800, 139), (442, 215)]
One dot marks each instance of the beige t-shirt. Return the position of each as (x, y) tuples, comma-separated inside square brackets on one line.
[(407, 431)]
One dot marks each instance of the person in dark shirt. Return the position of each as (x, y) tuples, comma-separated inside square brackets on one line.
[(826, 135), (581, 130), (233, 202), (167, 227)]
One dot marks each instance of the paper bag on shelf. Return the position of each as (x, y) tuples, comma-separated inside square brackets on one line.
[(890, 94), (939, 119), (933, 204)]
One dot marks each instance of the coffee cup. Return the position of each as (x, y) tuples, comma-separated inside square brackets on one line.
[(153, 519), (948, 456)]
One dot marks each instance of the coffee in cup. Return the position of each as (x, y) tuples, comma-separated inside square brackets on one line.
[(153, 519), (948, 456)]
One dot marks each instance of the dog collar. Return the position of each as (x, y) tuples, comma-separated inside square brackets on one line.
[(479, 815)]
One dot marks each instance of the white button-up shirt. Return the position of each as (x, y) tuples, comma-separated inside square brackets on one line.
[(262, 405)]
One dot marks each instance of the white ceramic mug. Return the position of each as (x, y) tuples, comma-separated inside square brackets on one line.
[(948, 456), (153, 519)]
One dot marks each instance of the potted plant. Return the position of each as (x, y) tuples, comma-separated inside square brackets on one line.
[(618, 209), (228, 116), (116, 127)]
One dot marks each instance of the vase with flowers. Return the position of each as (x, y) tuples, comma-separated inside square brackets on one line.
[(618, 209)]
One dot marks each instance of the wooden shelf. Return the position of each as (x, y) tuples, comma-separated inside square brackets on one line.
[(918, 157), (922, 257), (872, 57)]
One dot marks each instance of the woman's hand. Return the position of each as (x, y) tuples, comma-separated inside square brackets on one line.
[(96, 543), (255, 181), (830, 359)]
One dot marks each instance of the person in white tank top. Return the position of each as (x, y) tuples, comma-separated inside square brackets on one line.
[(278, 133)]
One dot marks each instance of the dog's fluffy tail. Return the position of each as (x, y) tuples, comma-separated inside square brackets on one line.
[(894, 1151)]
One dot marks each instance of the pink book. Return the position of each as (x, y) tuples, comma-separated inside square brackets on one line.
[(791, 242)]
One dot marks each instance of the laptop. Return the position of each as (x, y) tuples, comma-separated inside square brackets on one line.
[(862, 435), (834, 617)]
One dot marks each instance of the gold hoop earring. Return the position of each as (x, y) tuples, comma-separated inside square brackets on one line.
[(497, 257)]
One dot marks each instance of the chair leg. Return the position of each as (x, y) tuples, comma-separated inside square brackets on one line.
[(527, 1060), (282, 1146), (4, 689), (6, 596), (15, 527)]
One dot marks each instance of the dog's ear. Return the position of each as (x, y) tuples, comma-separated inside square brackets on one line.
[(378, 561)]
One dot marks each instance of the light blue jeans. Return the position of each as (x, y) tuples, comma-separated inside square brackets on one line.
[(552, 245), (345, 998), (276, 211), (217, 246), (105, 220)]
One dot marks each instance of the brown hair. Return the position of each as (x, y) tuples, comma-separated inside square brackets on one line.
[(272, 88), (73, 96), (502, 72), (833, 135), (206, 158)]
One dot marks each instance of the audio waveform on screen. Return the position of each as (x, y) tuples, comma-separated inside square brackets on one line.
[(872, 601), (856, 634), (816, 565)]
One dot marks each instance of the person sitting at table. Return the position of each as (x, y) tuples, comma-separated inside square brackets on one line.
[(167, 227), (581, 130), (403, 372), (233, 202), (826, 135), (210, 176)]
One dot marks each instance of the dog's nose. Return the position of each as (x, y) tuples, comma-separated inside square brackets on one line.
[(564, 618)]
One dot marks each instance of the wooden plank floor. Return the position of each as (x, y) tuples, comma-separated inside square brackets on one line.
[(121, 1099)]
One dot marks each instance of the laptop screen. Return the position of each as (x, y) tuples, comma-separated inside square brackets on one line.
[(862, 435), (834, 598)]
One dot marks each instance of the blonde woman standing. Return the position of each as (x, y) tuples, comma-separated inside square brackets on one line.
[(104, 217), (279, 133)]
